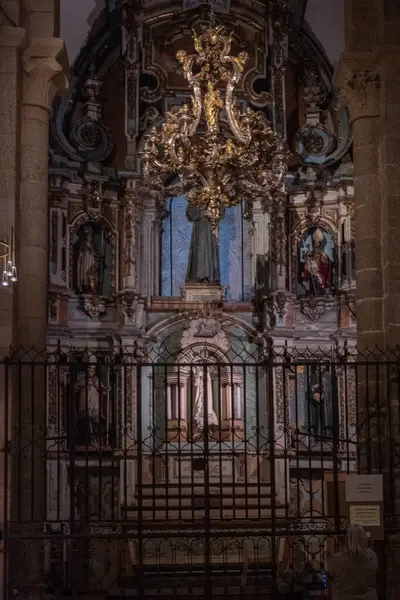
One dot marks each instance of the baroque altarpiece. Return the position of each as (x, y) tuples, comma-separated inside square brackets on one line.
[(138, 278)]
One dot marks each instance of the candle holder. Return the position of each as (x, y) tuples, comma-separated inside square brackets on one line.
[(7, 261)]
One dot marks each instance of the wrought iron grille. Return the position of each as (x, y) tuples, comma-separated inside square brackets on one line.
[(134, 474)]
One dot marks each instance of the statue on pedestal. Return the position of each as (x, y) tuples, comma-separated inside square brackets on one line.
[(320, 402), (91, 408), (199, 418), (203, 264), (89, 265)]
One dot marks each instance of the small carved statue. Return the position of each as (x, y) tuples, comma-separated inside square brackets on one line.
[(212, 105), (320, 406), (199, 418), (89, 265), (203, 264), (91, 405)]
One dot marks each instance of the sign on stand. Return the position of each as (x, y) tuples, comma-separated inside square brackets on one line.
[(364, 498)]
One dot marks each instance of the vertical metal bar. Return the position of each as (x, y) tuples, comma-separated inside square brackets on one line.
[(18, 490), (219, 443), (165, 441), (245, 427), (139, 433), (231, 408), (155, 374), (58, 431), (6, 516), (32, 442), (261, 504), (180, 441), (124, 433), (270, 366), (207, 524), (335, 449)]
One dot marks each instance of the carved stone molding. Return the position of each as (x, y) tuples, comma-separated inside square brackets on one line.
[(314, 203), (277, 308), (132, 305), (280, 235), (131, 234), (203, 331), (58, 189), (93, 196), (360, 93), (313, 309), (94, 306), (44, 75), (350, 301), (53, 307)]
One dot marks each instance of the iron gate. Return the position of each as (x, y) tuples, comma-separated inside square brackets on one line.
[(131, 476)]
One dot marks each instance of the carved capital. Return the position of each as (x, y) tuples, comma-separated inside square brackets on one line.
[(360, 94), (358, 80), (44, 72), (132, 305)]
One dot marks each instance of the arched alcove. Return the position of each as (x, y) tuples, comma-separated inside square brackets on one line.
[(234, 241)]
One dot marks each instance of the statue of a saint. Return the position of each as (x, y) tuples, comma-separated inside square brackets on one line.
[(199, 417), (91, 405), (212, 105), (203, 265), (320, 407), (88, 265), (316, 273)]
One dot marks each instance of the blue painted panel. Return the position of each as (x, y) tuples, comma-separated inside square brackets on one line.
[(234, 250)]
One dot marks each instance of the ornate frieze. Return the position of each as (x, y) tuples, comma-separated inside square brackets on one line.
[(279, 246), (131, 234), (279, 13)]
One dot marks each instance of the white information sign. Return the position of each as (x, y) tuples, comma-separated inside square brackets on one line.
[(364, 488), (366, 515)]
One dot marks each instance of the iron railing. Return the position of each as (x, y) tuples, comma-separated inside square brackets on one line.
[(132, 473)]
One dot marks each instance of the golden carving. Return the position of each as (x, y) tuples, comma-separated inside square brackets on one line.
[(217, 163)]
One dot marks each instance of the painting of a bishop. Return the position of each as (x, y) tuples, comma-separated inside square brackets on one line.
[(316, 266)]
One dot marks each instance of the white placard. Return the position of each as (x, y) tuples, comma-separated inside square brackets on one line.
[(364, 488), (366, 515)]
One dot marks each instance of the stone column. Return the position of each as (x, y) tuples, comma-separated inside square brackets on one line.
[(389, 153), (12, 40), (42, 77), (360, 88)]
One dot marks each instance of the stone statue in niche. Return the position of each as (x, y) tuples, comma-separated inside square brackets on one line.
[(91, 398), (203, 416), (320, 404), (203, 264), (316, 262), (91, 260)]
